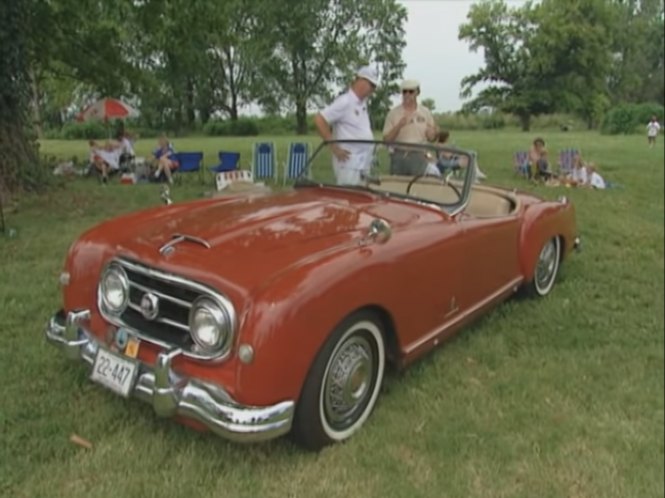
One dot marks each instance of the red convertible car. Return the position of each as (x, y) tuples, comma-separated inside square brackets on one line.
[(259, 314)]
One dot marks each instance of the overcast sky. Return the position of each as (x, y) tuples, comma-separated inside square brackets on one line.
[(434, 55)]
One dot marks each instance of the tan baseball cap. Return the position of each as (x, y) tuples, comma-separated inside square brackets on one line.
[(410, 85)]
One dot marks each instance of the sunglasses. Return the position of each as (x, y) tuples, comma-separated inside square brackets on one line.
[(405, 92)]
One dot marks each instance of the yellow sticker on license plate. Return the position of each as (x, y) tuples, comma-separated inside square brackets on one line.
[(132, 348)]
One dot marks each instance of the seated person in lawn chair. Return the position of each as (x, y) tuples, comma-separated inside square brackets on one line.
[(578, 175), (164, 161), (105, 159), (449, 162), (125, 143), (538, 161)]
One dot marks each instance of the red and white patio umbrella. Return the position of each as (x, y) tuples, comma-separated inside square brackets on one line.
[(106, 109)]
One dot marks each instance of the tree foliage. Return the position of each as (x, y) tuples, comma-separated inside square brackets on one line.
[(577, 56), (514, 82), (429, 104), (638, 51), (311, 47)]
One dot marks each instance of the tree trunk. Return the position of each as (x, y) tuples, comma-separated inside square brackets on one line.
[(301, 116), (19, 165), (204, 113), (18, 156), (233, 111), (34, 103), (525, 121), (189, 104)]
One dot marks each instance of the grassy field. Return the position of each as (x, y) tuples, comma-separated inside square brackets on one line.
[(555, 398)]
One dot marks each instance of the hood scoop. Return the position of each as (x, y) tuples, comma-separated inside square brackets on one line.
[(177, 238)]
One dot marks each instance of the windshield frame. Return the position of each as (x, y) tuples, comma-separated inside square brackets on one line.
[(304, 179)]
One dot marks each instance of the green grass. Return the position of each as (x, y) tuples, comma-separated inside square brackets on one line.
[(555, 398)]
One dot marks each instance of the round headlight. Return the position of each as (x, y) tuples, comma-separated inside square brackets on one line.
[(209, 324), (114, 289)]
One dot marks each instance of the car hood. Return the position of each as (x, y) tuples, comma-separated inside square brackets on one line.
[(250, 238)]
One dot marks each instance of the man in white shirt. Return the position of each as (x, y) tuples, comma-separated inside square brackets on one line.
[(347, 118), (653, 128), (413, 123)]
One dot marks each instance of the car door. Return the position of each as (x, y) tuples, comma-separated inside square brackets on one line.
[(490, 263), (429, 282)]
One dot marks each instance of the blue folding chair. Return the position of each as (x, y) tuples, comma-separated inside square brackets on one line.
[(296, 160), (189, 162), (228, 161), (264, 161), (521, 163)]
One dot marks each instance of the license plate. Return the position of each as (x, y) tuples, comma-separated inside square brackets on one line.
[(114, 372)]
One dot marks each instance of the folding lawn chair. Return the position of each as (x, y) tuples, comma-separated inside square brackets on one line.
[(566, 161), (296, 160), (228, 161), (189, 162), (264, 161), (521, 163)]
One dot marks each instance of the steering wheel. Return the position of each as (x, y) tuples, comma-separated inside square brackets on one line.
[(443, 182)]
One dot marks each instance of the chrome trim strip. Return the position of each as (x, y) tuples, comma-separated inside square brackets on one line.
[(165, 321), (171, 394), (160, 295), (176, 280), (440, 330), (180, 237)]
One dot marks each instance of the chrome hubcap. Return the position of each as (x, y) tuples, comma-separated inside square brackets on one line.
[(349, 380), (547, 264)]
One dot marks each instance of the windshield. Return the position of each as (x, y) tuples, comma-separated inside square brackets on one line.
[(430, 173)]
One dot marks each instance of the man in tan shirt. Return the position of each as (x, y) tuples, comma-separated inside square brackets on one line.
[(408, 123)]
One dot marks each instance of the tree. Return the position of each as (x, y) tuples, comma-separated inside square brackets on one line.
[(172, 52), (540, 58), (67, 39), (231, 36), (17, 148), (515, 84), (429, 103), (572, 50), (638, 52), (310, 46), (382, 44)]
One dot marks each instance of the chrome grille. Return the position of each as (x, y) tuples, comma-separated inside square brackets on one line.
[(171, 324), (170, 328)]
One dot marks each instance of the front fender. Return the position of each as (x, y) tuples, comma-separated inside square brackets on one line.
[(542, 222), (291, 319)]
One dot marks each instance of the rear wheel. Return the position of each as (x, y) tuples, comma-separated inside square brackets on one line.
[(546, 270), (343, 384)]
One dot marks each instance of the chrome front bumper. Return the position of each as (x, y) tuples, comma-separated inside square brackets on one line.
[(171, 394)]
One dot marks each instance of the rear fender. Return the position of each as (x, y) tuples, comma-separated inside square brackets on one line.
[(541, 223)]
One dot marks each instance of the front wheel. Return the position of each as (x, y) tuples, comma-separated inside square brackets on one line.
[(547, 268), (343, 384)]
